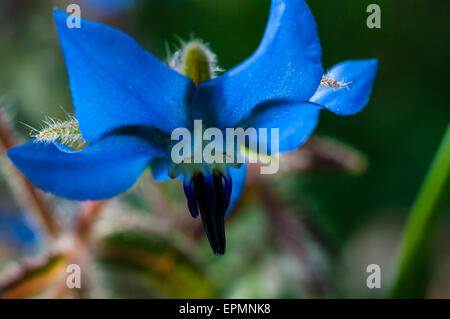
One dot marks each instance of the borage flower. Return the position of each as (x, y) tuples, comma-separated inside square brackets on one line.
[(17, 231), (127, 104)]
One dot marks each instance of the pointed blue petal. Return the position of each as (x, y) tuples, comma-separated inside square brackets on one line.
[(115, 83), (101, 170), (160, 169), (238, 178), (295, 123), (359, 75), (285, 66)]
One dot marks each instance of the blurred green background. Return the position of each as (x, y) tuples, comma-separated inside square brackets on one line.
[(353, 219)]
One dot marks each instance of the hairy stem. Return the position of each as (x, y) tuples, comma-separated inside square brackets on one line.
[(34, 200)]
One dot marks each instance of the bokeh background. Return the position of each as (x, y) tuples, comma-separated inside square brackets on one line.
[(310, 231)]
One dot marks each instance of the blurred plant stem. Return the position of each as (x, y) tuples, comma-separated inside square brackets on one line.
[(33, 277), (289, 231), (48, 275), (293, 239), (412, 254), (88, 214), (326, 155), (294, 231), (22, 188), (79, 253)]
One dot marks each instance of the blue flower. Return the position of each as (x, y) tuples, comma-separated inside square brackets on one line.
[(128, 103), (16, 230)]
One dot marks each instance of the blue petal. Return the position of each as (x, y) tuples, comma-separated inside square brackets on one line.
[(115, 83), (285, 66), (351, 99), (101, 170), (295, 123), (160, 169), (238, 178)]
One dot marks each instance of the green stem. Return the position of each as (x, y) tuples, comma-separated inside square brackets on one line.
[(412, 255)]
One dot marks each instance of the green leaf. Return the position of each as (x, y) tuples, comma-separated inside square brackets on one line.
[(412, 256), (136, 264), (33, 278)]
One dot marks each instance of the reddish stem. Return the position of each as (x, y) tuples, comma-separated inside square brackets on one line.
[(34, 198)]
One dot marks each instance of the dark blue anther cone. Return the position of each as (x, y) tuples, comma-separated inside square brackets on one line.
[(210, 195)]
